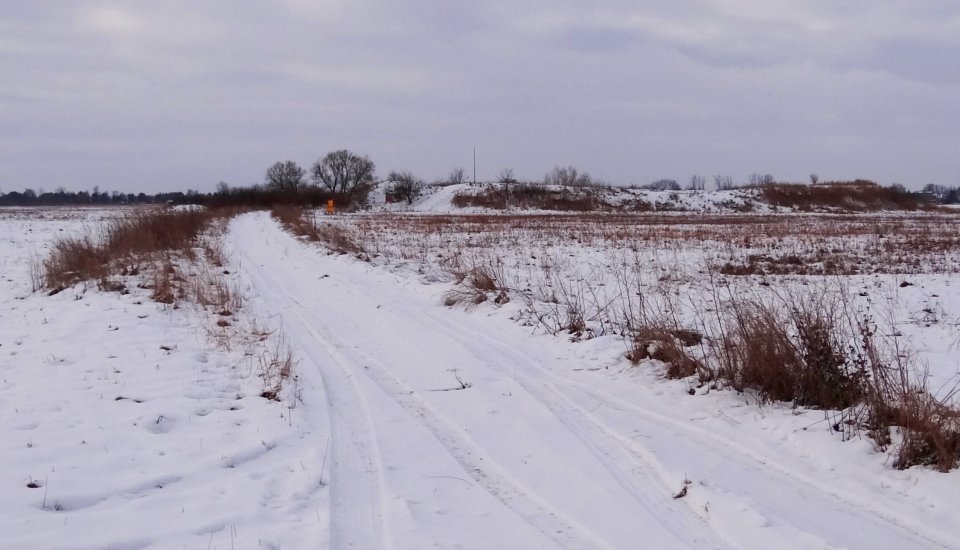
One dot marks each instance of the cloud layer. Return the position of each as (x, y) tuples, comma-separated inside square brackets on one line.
[(174, 95)]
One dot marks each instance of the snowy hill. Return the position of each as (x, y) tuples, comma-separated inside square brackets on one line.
[(538, 198)]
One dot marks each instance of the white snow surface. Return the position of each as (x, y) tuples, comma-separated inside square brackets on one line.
[(413, 426), (438, 199)]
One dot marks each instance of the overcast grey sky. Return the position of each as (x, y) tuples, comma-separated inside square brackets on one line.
[(171, 95)]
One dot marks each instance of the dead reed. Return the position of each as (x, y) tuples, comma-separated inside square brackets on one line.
[(123, 243)]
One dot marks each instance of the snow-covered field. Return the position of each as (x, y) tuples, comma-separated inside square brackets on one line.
[(414, 425), (900, 270), (124, 425)]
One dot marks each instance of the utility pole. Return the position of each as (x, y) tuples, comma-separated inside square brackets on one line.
[(474, 164)]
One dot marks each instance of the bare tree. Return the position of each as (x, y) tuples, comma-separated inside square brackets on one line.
[(814, 178), (456, 176), (405, 186), (934, 189), (506, 176), (723, 183), (568, 176), (697, 182), (663, 185), (285, 176), (760, 179), (343, 172)]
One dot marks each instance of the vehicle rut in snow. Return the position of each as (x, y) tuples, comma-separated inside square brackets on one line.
[(334, 343), (551, 411), (836, 511), (356, 501)]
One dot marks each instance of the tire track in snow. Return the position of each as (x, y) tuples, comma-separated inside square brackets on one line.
[(356, 517), (551, 392), (615, 452), (306, 330), (565, 398), (869, 511), (475, 463), (624, 459)]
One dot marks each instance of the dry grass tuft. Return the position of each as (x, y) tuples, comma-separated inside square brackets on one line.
[(929, 431), (474, 286), (124, 241), (859, 195), (897, 402), (796, 354), (669, 346), (532, 196), (757, 353), (276, 367), (827, 378), (164, 288), (787, 352), (73, 259), (334, 236)]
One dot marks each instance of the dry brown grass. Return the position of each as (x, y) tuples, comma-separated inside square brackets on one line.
[(475, 286), (756, 353), (140, 236), (276, 366), (787, 352), (827, 378), (798, 244), (855, 196), (531, 196), (670, 347), (165, 289), (929, 431), (178, 257), (897, 402), (797, 356), (303, 223), (810, 348), (73, 259), (294, 219), (797, 350)]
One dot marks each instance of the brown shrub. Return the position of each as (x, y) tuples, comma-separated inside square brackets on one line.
[(668, 347), (757, 353), (494, 198), (73, 259), (467, 297), (894, 398), (929, 430), (474, 285), (826, 379), (859, 195), (531, 196), (789, 351), (125, 240), (276, 367), (332, 235), (164, 289)]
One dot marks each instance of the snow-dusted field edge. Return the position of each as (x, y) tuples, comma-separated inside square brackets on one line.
[(125, 425)]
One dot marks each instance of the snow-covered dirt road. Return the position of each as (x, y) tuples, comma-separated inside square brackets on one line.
[(451, 429)]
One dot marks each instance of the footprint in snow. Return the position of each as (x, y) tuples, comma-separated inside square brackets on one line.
[(160, 425)]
